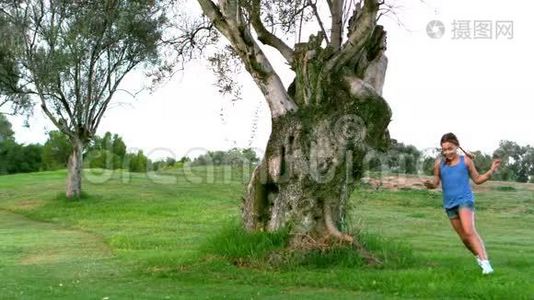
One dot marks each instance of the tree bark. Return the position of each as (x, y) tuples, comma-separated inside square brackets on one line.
[(337, 23), (74, 178)]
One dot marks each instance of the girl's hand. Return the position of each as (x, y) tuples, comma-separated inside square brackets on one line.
[(428, 184), (495, 164)]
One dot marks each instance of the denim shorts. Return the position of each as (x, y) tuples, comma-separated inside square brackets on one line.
[(452, 212)]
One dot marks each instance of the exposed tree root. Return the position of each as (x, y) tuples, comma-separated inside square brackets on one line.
[(305, 242), (343, 237), (370, 259), (331, 227)]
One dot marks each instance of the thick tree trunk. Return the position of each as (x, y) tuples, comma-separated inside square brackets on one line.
[(314, 156), (322, 126), (74, 179), (309, 170)]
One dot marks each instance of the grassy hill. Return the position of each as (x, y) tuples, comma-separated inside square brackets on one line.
[(175, 236)]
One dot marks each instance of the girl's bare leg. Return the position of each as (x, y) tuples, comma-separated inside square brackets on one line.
[(467, 219), (457, 225)]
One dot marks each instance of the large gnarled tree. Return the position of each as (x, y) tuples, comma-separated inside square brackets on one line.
[(71, 56), (324, 123)]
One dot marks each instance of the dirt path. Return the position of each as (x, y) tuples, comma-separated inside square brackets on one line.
[(416, 182)]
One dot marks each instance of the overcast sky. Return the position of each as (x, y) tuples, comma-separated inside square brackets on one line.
[(481, 89)]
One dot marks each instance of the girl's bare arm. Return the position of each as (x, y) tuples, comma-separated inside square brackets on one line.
[(481, 178)]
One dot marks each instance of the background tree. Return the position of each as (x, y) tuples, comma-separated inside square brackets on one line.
[(184, 160), (528, 163), (56, 151), (325, 122), (428, 165), (71, 56), (11, 100), (233, 157), (518, 161), (250, 155), (6, 131), (482, 161), (106, 152), (168, 162), (15, 158), (29, 158), (400, 158), (137, 162), (119, 151)]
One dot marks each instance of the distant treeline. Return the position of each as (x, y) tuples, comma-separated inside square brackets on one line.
[(107, 152), (110, 152)]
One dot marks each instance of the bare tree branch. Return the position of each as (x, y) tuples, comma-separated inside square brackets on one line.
[(337, 23), (228, 20), (361, 28), (347, 11), (316, 13), (266, 36)]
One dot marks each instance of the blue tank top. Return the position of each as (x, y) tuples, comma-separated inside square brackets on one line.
[(455, 184)]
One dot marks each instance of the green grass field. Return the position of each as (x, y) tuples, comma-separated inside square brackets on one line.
[(135, 237)]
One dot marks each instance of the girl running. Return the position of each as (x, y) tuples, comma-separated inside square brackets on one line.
[(453, 171)]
